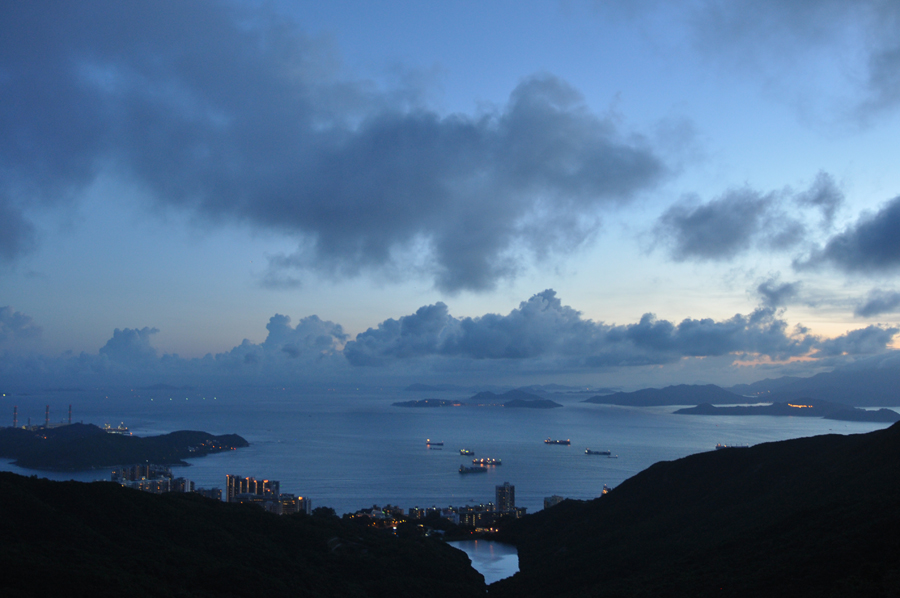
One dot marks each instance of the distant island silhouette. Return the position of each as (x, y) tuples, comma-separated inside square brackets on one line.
[(514, 399), (802, 408), (79, 446)]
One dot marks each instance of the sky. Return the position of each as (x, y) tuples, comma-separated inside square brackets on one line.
[(572, 192)]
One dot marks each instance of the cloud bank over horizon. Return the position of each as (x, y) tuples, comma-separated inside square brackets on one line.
[(712, 184), (540, 338)]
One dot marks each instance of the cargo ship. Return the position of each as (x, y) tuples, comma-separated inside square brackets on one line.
[(464, 469), (430, 442), (549, 441), (590, 452), (466, 452), (486, 461)]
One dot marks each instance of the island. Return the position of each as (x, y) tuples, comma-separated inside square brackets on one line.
[(514, 399), (428, 403), (681, 394), (77, 447), (803, 408)]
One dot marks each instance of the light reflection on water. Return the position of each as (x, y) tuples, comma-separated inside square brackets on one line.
[(495, 561)]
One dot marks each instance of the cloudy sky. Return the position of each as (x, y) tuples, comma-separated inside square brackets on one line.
[(571, 192)]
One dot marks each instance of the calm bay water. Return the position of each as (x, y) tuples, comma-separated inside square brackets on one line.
[(352, 449), (495, 561)]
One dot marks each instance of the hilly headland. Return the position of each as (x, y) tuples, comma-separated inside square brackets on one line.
[(79, 446), (813, 516)]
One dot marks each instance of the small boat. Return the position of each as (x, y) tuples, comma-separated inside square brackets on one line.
[(486, 461), (430, 442), (590, 452), (549, 441), (466, 452), (464, 469), (719, 447)]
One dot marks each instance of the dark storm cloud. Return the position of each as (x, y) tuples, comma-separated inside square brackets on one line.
[(14, 325), (868, 246), (744, 219), (878, 302), (865, 341), (776, 294), (716, 230), (542, 328), (239, 116)]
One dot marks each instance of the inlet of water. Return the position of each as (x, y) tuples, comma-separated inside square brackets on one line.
[(494, 560)]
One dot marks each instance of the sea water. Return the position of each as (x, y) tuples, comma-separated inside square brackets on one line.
[(494, 560), (353, 449)]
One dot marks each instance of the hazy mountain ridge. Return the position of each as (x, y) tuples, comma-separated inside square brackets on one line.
[(863, 385), (809, 408), (681, 394), (869, 383)]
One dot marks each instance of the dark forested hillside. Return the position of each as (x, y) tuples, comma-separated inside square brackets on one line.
[(99, 539), (814, 516)]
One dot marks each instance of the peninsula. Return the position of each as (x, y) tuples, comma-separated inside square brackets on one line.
[(802, 408), (78, 447)]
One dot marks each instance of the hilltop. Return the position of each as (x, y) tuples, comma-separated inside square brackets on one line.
[(807, 517)]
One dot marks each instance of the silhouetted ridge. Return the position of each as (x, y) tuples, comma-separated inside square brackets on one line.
[(808, 517), (100, 539)]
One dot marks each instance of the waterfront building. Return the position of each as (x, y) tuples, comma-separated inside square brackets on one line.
[(416, 513), (235, 485), (182, 485), (294, 504), (552, 501), (505, 497), (154, 486)]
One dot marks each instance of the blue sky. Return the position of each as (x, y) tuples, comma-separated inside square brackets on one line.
[(570, 192)]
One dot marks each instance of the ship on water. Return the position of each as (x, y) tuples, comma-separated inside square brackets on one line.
[(476, 469), (550, 441), (590, 452), (430, 442), (487, 461), (466, 452), (121, 429)]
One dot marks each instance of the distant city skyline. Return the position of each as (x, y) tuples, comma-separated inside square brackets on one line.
[(581, 193)]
